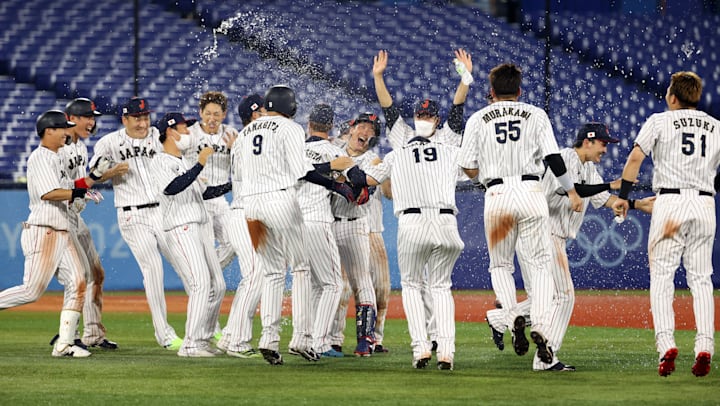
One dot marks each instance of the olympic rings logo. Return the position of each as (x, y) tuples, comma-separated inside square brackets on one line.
[(608, 247)]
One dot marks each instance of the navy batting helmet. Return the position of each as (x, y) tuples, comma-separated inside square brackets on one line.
[(281, 99), (82, 107), (52, 119)]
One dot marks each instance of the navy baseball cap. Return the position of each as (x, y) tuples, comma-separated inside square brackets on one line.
[(427, 107), (136, 106), (82, 107), (171, 120), (322, 114), (249, 105), (595, 131)]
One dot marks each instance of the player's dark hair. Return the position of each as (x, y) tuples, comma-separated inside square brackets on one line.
[(317, 127), (687, 87), (213, 97), (505, 80)]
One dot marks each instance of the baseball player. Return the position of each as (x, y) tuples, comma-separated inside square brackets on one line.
[(423, 177), (505, 143), (138, 212), (685, 148), (321, 246), (74, 156), (427, 123), (237, 333), (351, 230), (211, 132), (46, 239), (271, 159), (590, 146), (187, 227)]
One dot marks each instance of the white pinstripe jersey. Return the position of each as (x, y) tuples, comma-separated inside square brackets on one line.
[(375, 212), (45, 173), (136, 187), (402, 132), (270, 155), (685, 148), (423, 175), (75, 159), (185, 207), (236, 178), (340, 206), (564, 222), (217, 169), (507, 138), (314, 199)]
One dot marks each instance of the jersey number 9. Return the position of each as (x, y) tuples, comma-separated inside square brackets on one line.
[(257, 144)]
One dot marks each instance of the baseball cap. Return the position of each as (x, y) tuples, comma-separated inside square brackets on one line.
[(595, 131), (173, 119), (248, 105), (82, 107), (52, 119), (322, 114), (427, 107), (136, 106)]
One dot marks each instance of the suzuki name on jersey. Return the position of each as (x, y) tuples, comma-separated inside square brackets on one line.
[(506, 111), (693, 122)]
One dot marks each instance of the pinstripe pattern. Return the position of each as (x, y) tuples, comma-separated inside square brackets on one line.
[(142, 229), (354, 247), (238, 331), (401, 133), (380, 271), (47, 173), (685, 148)]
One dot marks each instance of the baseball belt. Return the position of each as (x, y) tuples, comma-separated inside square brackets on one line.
[(499, 181), (665, 191)]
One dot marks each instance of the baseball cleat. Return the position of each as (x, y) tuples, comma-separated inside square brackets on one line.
[(701, 367), (174, 345), (559, 366), (196, 353), (332, 353), (380, 348), (497, 337), (272, 357), (78, 342), (363, 348), (105, 344), (308, 354), (544, 352), (336, 347), (667, 362), (422, 362), (72, 351), (445, 366), (251, 353), (519, 341)]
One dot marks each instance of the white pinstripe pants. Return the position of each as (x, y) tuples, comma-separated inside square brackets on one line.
[(196, 261), (431, 239), (682, 227)]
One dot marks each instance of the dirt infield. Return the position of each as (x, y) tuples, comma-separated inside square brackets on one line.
[(610, 310)]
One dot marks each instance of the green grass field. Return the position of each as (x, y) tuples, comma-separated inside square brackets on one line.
[(614, 366)]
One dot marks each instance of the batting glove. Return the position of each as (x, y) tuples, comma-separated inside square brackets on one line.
[(465, 75), (344, 190), (101, 166), (94, 195)]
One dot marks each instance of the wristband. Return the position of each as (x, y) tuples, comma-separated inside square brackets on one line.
[(625, 188), (81, 183), (78, 193), (631, 204), (93, 176), (467, 78)]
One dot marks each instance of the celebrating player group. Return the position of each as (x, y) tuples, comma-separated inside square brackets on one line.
[(302, 201)]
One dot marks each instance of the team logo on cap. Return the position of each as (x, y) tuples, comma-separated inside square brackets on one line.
[(426, 103), (171, 122), (591, 134), (254, 107)]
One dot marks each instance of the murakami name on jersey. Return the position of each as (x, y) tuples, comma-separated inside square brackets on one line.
[(506, 111)]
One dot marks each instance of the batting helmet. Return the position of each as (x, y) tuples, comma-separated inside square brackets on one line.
[(82, 107), (371, 118), (52, 119), (281, 99)]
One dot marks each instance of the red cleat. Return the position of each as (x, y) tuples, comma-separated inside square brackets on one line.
[(701, 367), (667, 362)]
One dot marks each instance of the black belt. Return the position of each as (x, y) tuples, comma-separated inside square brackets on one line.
[(499, 181), (664, 191), (350, 219), (415, 210), (142, 206)]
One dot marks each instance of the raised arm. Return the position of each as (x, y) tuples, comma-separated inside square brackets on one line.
[(379, 65)]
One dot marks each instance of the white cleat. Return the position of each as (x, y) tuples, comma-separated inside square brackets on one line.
[(71, 351)]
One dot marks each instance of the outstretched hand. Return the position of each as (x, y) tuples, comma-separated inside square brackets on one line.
[(380, 62), (465, 58)]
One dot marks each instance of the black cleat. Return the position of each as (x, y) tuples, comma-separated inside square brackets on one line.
[(497, 338), (272, 357), (106, 344), (560, 367), (380, 348), (545, 353), (421, 363), (336, 347), (520, 342)]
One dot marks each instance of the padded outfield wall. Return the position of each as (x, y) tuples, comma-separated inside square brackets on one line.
[(604, 256)]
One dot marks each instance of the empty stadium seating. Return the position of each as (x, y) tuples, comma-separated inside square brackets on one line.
[(325, 51)]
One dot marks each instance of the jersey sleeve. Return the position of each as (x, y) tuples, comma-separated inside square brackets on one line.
[(399, 134), (546, 136), (100, 149), (467, 158), (647, 136), (295, 154)]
